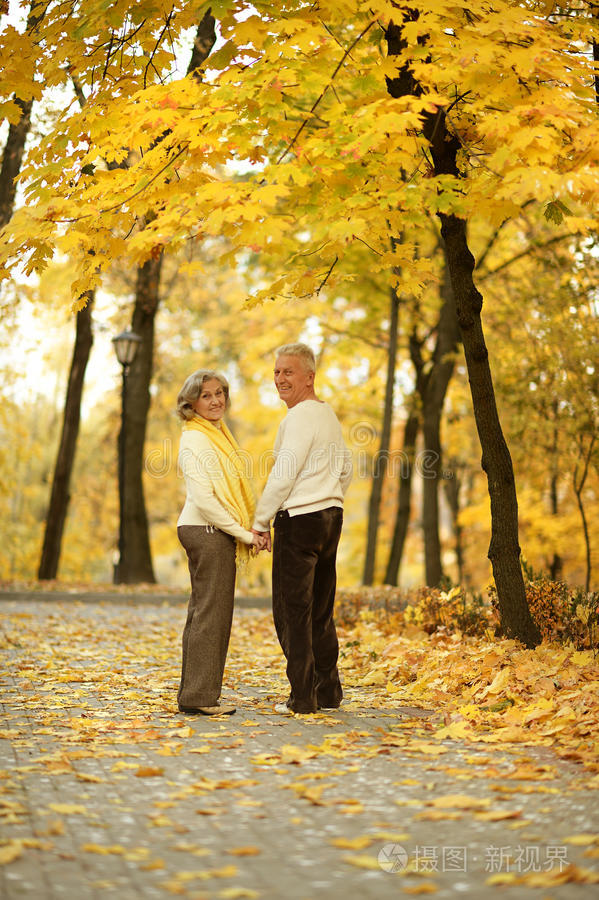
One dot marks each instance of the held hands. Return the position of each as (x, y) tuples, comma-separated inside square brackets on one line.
[(261, 540)]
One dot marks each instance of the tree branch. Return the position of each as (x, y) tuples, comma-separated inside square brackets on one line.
[(318, 100), (541, 246)]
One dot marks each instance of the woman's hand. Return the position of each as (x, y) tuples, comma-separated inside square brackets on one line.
[(261, 540)]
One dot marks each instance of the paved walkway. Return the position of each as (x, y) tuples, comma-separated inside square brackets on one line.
[(107, 791)]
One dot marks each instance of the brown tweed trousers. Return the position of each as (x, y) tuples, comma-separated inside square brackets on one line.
[(211, 558)]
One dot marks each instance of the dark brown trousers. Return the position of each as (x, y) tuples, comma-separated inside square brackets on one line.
[(303, 595), (211, 558)]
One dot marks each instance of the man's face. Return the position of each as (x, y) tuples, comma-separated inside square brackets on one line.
[(293, 382)]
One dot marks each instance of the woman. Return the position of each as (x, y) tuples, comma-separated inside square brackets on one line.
[(214, 527)]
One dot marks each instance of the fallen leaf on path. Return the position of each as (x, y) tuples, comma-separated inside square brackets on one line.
[(425, 887), (363, 861), (582, 840), (68, 809), (104, 850), (458, 801), (497, 815), (245, 851), (13, 850), (357, 843), (148, 771), (437, 815), (236, 893)]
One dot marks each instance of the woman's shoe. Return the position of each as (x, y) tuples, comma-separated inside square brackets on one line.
[(224, 709)]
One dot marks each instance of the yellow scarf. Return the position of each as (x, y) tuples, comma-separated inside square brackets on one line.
[(233, 490)]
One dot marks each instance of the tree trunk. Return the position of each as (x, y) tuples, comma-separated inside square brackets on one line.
[(504, 549), (17, 135), (60, 495), (595, 12), (578, 482), (404, 498), (135, 563), (382, 456), (12, 159), (556, 565), (448, 337), (452, 487)]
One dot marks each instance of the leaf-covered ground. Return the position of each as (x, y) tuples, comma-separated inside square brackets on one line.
[(443, 743)]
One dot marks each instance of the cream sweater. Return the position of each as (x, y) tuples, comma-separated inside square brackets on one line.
[(199, 465), (312, 467)]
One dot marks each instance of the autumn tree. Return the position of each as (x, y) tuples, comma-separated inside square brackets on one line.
[(350, 125), (135, 564)]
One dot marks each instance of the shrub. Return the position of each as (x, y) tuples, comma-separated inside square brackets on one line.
[(563, 614)]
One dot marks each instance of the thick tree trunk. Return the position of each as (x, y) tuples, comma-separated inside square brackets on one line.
[(448, 337), (595, 13), (12, 159), (382, 457), (17, 135), (135, 563), (404, 498), (60, 495), (504, 549)]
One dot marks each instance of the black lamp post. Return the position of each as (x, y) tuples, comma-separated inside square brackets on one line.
[(125, 347)]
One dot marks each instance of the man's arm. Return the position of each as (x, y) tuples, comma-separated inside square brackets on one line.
[(293, 447)]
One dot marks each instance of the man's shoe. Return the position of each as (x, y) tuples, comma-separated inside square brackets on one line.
[(225, 709), (283, 709)]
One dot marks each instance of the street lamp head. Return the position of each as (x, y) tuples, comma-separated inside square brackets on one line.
[(125, 347)]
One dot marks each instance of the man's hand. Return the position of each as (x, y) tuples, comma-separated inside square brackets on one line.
[(262, 540)]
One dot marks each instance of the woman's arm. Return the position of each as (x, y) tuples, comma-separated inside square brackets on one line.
[(196, 463)]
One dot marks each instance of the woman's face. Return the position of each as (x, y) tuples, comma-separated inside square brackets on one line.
[(212, 401)]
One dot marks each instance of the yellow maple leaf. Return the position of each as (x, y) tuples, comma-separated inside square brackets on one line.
[(497, 815), (437, 815), (459, 801), (238, 893), (363, 861), (245, 851), (582, 840), (10, 852), (357, 843), (425, 887), (104, 850), (68, 809)]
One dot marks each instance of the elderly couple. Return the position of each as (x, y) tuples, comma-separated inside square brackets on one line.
[(218, 525)]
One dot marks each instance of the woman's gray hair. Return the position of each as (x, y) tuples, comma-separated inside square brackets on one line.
[(304, 352), (192, 388)]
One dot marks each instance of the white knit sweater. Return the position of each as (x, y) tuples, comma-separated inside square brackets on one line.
[(198, 463), (312, 467)]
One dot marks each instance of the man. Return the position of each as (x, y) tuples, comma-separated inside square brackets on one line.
[(304, 495)]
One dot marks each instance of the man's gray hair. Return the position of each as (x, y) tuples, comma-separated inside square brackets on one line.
[(192, 388), (304, 352)]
